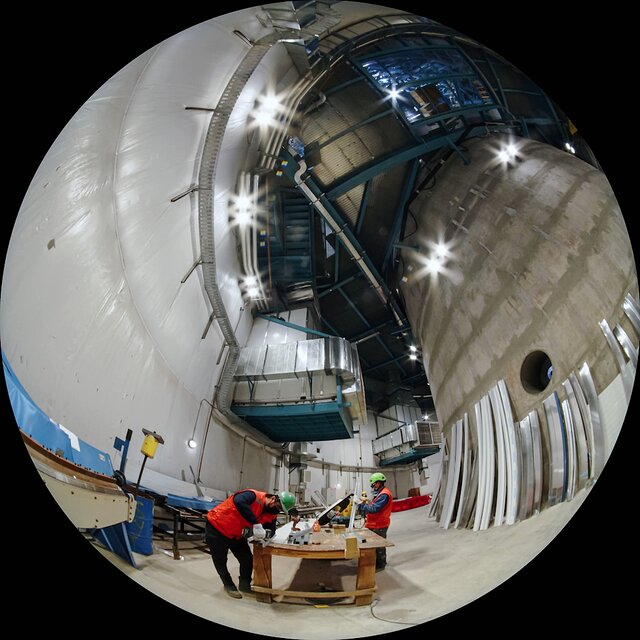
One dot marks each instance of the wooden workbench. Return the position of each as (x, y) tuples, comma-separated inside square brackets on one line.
[(325, 545)]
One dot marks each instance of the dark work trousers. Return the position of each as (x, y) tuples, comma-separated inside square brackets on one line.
[(381, 552), (220, 546)]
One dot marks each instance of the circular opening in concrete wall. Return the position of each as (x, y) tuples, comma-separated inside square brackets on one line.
[(536, 372)]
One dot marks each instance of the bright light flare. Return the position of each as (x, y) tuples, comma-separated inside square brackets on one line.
[(192, 444), (508, 153), (441, 250), (413, 348), (434, 265), (265, 114), (243, 218), (242, 209), (413, 356), (253, 292)]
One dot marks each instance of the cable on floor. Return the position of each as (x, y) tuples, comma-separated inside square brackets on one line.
[(375, 602)]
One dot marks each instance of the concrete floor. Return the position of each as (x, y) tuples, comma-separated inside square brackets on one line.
[(430, 573)]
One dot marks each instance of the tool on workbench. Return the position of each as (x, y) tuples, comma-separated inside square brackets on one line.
[(300, 537), (247, 533)]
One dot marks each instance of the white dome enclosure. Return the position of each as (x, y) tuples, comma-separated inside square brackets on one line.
[(292, 246)]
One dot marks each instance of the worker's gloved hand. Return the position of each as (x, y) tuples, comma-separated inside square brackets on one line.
[(258, 532), (357, 500)]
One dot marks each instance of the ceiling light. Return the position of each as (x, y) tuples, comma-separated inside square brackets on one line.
[(441, 250), (253, 292), (243, 218), (265, 114), (508, 153), (413, 348), (394, 94), (251, 281), (243, 203), (433, 265), (192, 444), (413, 356)]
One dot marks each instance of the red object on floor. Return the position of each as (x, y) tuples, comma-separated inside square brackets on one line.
[(410, 503)]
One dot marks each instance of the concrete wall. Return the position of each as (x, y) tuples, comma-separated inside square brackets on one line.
[(538, 254)]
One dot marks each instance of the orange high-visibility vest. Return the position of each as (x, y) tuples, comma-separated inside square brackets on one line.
[(226, 518), (382, 518)]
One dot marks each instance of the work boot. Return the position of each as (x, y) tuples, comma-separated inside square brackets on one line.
[(232, 591), (245, 586)]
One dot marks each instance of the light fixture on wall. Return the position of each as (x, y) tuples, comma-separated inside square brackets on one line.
[(192, 443)]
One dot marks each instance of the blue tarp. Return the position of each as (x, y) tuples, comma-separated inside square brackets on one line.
[(197, 503), (37, 424)]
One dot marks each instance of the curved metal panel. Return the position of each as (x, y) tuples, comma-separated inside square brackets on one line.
[(629, 348), (593, 403), (627, 378), (482, 473), (453, 472), (572, 475), (466, 468), (557, 455), (485, 407), (501, 490), (512, 455), (580, 435), (471, 493), (536, 447), (632, 309), (528, 479)]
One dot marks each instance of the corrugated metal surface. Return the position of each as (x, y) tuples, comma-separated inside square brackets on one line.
[(350, 202)]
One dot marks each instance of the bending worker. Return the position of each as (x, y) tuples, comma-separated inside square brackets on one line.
[(378, 513), (224, 531)]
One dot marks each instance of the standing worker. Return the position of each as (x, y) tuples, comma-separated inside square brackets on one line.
[(378, 513), (224, 531)]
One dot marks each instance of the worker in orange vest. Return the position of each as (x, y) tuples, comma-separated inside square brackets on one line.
[(378, 513), (226, 523)]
